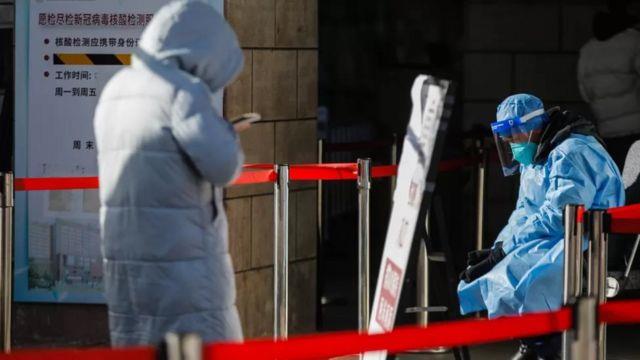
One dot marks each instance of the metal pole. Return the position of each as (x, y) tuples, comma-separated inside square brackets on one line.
[(627, 271), (598, 271), (572, 267), (281, 252), (364, 186), (482, 166), (319, 199), (423, 284), (585, 345), (6, 261), (394, 161), (578, 256)]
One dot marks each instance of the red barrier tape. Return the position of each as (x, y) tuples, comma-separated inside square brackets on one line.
[(384, 171), (255, 177), (252, 174), (625, 219), (455, 333), (449, 334), (141, 353), (69, 183), (580, 217), (314, 172), (620, 312)]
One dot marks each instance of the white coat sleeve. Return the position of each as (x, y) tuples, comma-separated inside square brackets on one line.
[(207, 139), (569, 183)]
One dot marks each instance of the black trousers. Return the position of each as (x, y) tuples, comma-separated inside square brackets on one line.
[(546, 347)]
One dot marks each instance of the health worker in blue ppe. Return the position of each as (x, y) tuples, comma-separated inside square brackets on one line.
[(561, 161), (164, 155)]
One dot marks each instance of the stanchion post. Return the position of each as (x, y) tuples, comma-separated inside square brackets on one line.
[(364, 187), (598, 270), (281, 252), (177, 346), (6, 256), (585, 346), (572, 267), (422, 280), (480, 190), (319, 198), (394, 161)]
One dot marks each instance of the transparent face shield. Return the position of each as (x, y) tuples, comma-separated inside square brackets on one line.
[(517, 140)]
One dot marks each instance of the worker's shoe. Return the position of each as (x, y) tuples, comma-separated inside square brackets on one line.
[(525, 352)]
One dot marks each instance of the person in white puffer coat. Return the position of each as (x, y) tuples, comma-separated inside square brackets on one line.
[(164, 154), (609, 77)]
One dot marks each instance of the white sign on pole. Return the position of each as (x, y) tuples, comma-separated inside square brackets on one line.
[(72, 49), (428, 96)]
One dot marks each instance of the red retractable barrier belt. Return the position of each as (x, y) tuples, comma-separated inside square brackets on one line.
[(252, 174), (141, 353), (625, 219), (312, 172), (580, 217), (256, 177), (65, 183), (620, 312), (384, 171), (322, 346), (456, 333)]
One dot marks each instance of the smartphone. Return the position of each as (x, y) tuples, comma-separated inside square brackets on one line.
[(248, 118)]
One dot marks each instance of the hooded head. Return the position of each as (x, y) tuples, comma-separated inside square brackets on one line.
[(517, 131), (518, 106), (193, 36)]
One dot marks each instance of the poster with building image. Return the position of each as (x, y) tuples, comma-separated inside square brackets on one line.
[(70, 51)]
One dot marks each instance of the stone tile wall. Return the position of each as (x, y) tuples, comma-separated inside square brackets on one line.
[(279, 81), (518, 46)]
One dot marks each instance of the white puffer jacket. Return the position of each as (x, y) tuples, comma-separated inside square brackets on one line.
[(609, 80), (164, 154)]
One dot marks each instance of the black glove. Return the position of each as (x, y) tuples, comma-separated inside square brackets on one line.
[(480, 268), (476, 256)]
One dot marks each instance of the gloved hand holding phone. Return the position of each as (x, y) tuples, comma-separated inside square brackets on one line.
[(244, 121), (481, 262)]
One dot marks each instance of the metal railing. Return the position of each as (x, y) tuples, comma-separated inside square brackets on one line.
[(590, 226), (281, 247), (281, 252), (364, 187), (6, 257)]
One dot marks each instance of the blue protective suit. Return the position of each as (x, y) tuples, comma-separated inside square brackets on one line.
[(530, 277), (164, 154)]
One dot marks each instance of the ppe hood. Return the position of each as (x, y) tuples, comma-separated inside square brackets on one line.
[(193, 36)]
